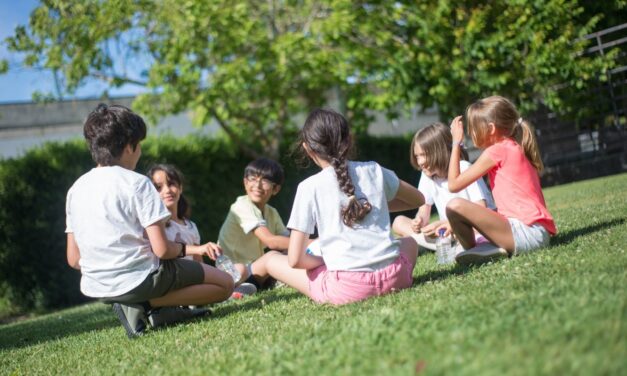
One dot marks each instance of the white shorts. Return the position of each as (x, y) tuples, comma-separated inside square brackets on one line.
[(528, 238)]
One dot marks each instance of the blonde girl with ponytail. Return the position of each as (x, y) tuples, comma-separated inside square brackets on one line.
[(511, 159), (348, 203)]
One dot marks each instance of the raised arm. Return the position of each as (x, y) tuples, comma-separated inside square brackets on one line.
[(457, 181), (407, 198)]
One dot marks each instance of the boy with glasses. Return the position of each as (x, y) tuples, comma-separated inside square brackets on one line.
[(252, 226)]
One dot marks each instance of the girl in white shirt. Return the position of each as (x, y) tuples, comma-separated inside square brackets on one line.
[(168, 181), (430, 153), (349, 204)]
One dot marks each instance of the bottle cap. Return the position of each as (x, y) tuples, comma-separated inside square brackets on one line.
[(441, 232)]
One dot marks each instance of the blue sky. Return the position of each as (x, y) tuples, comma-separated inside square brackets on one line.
[(19, 83)]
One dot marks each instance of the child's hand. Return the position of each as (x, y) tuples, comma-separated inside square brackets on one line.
[(433, 229), (417, 224), (212, 250), (457, 130), (430, 230), (446, 226)]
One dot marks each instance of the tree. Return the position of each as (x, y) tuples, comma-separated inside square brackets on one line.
[(255, 67), (450, 53)]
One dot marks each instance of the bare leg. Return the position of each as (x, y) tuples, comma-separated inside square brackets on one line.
[(275, 265), (241, 268), (409, 248), (464, 215), (402, 226), (216, 287)]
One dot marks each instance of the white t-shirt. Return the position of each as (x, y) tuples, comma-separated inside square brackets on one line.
[(107, 210), (183, 233), (436, 191), (367, 246)]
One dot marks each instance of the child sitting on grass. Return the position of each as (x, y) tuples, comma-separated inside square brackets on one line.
[(522, 222), (252, 225), (430, 153), (349, 204), (168, 181), (116, 234)]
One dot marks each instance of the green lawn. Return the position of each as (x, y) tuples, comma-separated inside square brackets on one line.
[(558, 311)]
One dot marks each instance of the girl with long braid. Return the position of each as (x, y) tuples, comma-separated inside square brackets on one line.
[(349, 204)]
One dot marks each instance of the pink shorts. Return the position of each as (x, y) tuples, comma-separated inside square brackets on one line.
[(341, 287)]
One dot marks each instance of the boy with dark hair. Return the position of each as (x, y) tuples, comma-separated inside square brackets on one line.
[(252, 225), (116, 235)]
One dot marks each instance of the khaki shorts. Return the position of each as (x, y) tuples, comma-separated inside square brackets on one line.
[(173, 274)]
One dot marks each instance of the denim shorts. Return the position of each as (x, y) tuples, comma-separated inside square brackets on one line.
[(528, 238), (173, 274)]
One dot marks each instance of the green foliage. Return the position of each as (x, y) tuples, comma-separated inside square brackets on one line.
[(254, 67), (32, 203), (452, 53), (32, 217), (557, 311)]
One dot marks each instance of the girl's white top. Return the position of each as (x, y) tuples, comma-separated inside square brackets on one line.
[(369, 244), (183, 233), (436, 191)]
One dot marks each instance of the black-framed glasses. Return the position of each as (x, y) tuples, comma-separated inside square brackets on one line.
[(255, 180)]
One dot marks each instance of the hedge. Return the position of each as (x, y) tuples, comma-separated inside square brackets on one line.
[(33, 268)]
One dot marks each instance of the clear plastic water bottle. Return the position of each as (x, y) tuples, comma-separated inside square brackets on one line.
[(443, 248), (226, 265)]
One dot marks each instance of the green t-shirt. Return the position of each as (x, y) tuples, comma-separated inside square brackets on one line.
[(237, 237)]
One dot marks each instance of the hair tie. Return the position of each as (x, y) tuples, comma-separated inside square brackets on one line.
[(520, 121)]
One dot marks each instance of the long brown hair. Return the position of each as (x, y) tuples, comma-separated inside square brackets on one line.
[(437, 142), (173, 175), (327, 135), (503, 114)]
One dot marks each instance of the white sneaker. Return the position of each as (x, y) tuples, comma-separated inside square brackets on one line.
[(482, 253)]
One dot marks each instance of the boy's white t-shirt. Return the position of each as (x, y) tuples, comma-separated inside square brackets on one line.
[(369, 245), (107, 210), (182, 233), (436, 191)]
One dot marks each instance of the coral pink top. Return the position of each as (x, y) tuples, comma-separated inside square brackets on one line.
[(516, 186)]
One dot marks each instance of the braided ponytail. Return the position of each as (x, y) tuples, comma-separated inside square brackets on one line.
[(357, 208), (326, 133)]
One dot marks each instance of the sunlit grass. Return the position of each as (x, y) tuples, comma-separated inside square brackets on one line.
[(558, 311)]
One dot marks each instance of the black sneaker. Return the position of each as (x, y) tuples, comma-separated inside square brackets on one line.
[(131, 319), (171, 315)]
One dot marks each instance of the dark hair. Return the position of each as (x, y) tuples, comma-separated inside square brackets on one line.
[(173, 175), (108, 129), (327, 135), (267, 169), (437, 142)]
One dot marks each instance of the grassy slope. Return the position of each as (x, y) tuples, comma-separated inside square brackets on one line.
[(558, 311)]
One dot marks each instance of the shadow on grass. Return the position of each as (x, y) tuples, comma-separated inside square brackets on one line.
[(436, 275), (569, 236), (560, 239), (55, 326), (255, 302), (63, 324)]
